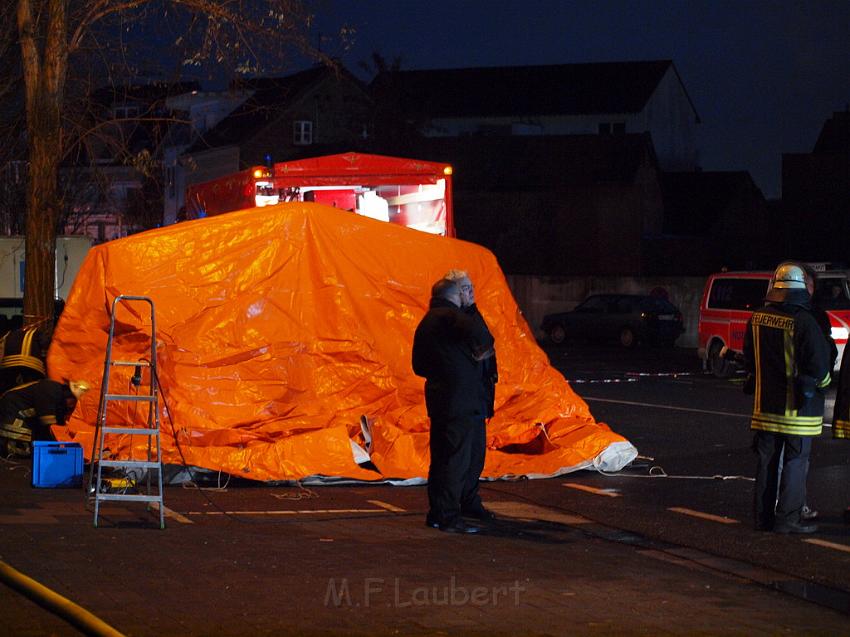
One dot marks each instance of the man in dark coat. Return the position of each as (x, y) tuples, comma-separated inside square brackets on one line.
[(471, 505), (448, 349)]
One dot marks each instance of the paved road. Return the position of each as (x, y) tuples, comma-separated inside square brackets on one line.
[(693, 431), (584, 554)]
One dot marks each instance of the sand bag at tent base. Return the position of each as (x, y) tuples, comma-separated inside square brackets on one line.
[(284, 340)]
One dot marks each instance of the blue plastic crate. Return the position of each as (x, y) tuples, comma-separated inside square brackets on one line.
[(57, 464)]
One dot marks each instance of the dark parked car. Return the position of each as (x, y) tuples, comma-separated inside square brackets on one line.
[(627, 318)]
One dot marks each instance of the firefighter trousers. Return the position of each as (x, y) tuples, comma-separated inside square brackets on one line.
[(780, 492)]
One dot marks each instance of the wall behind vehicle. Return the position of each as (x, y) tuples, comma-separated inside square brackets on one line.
[(541, 295)]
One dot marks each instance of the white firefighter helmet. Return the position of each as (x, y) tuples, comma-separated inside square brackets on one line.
[(788, 284), (78, 388), (789, 276)]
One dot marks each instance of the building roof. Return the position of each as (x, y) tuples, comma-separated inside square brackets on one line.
[(835, 135), (270, 97), (142, 93), (560, 89)]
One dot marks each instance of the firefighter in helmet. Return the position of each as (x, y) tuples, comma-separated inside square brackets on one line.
[(788, 360), (27, 412)]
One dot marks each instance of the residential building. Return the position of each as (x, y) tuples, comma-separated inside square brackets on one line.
[(196, 113), (112, 185), (612, 98), (323, 109)]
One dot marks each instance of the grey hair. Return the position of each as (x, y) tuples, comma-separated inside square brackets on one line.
[(456, 275)]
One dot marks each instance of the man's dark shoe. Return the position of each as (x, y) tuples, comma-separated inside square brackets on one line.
[(794, 527), (482, 515), (459, 527), (454, 527), (807, 514)]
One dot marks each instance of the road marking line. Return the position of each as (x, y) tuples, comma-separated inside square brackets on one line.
[(387, 506), (286, 512), (829, 545), (673, 407), (581, 487), (527, 511), (170, 513), (705, 516)]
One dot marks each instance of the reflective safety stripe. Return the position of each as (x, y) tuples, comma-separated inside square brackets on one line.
[(21, 360), (24, 358), (50, 419), (825, 381), (796, 426), (841, 429), (790, 368), (757, 356)]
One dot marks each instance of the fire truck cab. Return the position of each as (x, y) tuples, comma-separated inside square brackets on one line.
[(730, 298)]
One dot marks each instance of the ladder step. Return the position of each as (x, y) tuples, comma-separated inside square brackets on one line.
[(141, 464), (133, 431), (134, 397), (129, 496), (131, 363)]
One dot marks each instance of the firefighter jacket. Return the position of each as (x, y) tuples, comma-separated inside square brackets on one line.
[(841, 416), (446, 348), (23, 355), (32, 409), (786, 352)]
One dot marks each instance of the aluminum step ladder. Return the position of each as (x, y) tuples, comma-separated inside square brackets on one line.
[(150, 428)]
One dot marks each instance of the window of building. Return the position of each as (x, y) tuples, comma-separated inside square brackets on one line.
[(122, 112), (619, 128), (302, 132), (604, 128)]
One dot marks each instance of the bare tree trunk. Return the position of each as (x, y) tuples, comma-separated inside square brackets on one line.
[(42, 215), (44, 73)]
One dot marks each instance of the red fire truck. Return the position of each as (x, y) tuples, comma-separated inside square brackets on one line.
[(409, 192), (730, 298)]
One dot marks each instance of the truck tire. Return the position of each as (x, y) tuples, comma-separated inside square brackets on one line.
[(716, 364), (557, 334)]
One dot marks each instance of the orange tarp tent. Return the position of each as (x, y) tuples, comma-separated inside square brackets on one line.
[(279, 328)]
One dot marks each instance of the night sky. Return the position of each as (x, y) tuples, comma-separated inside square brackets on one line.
[(763, 76)]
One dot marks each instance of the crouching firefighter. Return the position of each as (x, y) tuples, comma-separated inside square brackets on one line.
[(27, 412), (788, 361)]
